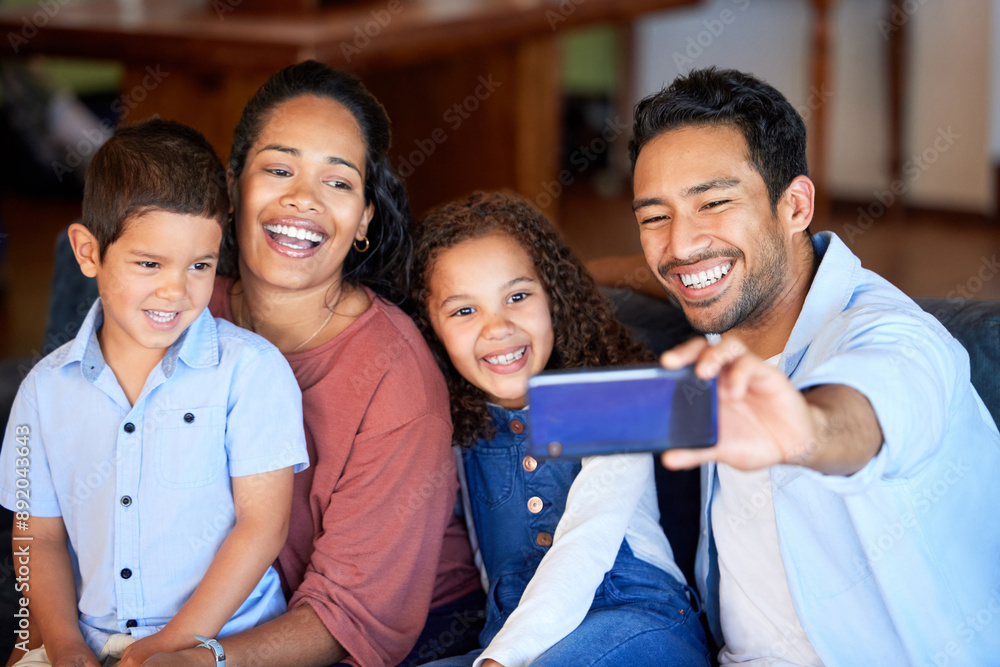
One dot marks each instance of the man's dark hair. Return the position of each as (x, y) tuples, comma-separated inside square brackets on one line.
[(152, 165), (773, 129)]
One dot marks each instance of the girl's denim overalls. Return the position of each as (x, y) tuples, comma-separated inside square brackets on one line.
[(640, 614)]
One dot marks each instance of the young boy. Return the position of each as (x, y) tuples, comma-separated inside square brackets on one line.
[(150, 460)]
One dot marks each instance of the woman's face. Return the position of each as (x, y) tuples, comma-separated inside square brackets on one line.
[(300, 200)]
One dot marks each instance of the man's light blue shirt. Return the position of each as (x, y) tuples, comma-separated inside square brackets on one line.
[(145, 490), (898, 563)]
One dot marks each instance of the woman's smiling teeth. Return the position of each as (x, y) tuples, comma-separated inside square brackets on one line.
[(161, 316), (506, 359), (293, 237), (705, 278)]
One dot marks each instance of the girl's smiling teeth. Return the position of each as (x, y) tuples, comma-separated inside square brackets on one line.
[(705, 278), (161, 316), (295, 237), (506, 359)]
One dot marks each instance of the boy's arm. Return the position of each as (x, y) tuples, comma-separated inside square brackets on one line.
[(263, 504), (52, 592)]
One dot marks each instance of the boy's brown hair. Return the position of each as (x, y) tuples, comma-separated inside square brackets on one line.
[(152, 165)]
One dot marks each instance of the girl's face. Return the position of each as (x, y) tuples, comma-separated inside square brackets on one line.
[(300, 199), (487, 305)]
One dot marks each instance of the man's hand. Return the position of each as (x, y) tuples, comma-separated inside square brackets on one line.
[(764, 420)]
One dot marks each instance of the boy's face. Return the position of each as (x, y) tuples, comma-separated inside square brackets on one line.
[(154, 280)]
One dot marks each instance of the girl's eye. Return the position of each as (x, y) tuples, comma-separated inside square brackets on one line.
[(149, 265), (462, 312), (278, 171), (201, 266), (520, 296), (340, 185)]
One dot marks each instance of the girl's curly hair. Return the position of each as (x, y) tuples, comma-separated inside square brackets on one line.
[(583, 322)]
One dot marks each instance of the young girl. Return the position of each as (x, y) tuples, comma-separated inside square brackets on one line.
[(578, 569)]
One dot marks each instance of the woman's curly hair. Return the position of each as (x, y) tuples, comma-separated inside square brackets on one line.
[(583, 322)]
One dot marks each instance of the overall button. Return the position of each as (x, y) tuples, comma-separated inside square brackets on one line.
[(126, 501), (529, 463), (188, 417), (544, 539), (126, 573), (131, 623), (516, 426), (534, 504), (130, 427)]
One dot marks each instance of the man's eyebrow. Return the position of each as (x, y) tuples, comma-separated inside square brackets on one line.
[(714, 184), (701, 188), (647, 201), (295, 152)]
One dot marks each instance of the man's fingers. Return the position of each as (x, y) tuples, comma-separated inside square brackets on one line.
[(684, 354), (682, 459)]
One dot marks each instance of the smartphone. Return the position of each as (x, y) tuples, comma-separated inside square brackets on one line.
[(585, 412)]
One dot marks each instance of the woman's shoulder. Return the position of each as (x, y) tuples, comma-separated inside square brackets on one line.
[(389, 352)]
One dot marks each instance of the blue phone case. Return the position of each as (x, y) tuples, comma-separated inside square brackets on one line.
[(584, 412)]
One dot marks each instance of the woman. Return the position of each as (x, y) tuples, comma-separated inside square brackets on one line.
[(321, 236)]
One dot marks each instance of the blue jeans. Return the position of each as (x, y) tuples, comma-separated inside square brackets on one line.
[(632, 632)]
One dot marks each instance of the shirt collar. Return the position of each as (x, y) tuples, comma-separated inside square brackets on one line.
[(831, 290), (198, 346)]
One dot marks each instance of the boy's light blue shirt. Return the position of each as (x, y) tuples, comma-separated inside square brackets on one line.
[(145, 490), (900, 562)]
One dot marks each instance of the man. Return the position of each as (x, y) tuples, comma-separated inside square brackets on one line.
[(848, 505)]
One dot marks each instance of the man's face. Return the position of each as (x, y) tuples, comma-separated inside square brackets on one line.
[(707, 227)]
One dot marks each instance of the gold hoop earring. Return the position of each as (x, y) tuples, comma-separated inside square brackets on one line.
[(359, 248)]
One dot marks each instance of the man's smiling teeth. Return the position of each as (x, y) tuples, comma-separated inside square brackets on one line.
[(705, 278), (295, 232), (506, 359), (161, 315)]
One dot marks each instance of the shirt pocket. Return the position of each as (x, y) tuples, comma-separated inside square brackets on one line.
[(190, 446)]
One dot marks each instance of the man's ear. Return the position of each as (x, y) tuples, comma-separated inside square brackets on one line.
[(86, 249), (797, 204)]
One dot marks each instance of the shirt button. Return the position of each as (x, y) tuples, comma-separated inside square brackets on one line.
[(129, 427), (126, 501), (544, 539), (126, 573), (188, 417), (131, 623), (529, 463), (534, 504), (516, 426)]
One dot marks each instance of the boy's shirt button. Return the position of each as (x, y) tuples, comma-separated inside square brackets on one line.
[(129, 427), (131, 623), (126, 573), (188, 417), (126, 501)]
